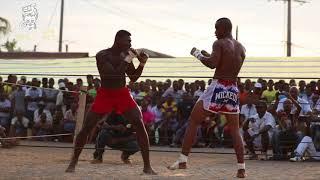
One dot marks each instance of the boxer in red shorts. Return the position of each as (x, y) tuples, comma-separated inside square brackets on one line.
[(113, 65)]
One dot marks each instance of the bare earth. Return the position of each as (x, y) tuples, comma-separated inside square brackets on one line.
[(50, 163)]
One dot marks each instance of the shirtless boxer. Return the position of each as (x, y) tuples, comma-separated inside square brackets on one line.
[(113, 64), (222, 95)]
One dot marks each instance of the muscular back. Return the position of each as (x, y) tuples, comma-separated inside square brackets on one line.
[(232, 55)]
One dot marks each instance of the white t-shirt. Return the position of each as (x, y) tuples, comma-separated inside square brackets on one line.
[(69, 116), (37, 116), (198, 93), (248, 112), (25, 121), (267, 119), (33, 93), (5, 104), (305, 106), (158, 114)]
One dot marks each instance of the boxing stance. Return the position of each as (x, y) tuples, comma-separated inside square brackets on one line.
[(113, 65), (222, 96)]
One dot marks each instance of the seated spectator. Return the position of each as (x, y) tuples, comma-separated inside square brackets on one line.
[(70, 118), (147, 116), (5, 107), (157, 111), (305, 106), (41, 109), (42, 127), (19, 125), (168, 128), (286, 135), (306, 146), (6, 143), (117, 133), (57, 123), (184, 110), (258, 130)]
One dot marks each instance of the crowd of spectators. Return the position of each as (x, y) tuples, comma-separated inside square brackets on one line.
[(275, 115)]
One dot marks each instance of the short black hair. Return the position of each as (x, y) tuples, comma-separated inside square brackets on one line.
[(122, 33), (226, 22)]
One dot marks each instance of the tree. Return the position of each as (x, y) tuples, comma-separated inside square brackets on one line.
[(10, 45)]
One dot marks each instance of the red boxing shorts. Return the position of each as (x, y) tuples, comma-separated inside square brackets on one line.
[(221, 97), (108, 100)]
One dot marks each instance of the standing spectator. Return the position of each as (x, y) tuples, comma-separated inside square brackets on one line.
[(18, 99), (19, 125), (270, 94), (200, 91), (258, 130), (45, 82), (302, 89), (33, 96), (61, 97), (90, 82), (50, 96), (173, 92), (5, 107), (8, 88)]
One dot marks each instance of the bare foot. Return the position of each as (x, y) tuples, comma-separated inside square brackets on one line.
[(149, 171), (71, 168), (241, 173)]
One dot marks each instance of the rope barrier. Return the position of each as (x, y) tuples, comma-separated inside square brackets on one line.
[(30, 137), (150, 150)]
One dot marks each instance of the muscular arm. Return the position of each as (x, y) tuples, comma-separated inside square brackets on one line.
[(213, 60), (134, 73)]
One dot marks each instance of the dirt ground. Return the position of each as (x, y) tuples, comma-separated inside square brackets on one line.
[(50, 163)]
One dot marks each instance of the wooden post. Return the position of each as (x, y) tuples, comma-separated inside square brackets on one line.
[(80, 112)]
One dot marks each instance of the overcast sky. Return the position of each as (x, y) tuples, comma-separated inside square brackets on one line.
[(168, 26)]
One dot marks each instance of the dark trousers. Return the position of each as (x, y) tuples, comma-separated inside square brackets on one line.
[(104, 139)]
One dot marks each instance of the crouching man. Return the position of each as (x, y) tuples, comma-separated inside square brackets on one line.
[(258, 130), (116, 133)]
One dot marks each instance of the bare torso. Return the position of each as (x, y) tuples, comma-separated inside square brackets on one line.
[(232, 57), (110, 80)]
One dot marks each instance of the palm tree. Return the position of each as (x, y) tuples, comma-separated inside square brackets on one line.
[(4, 26)]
